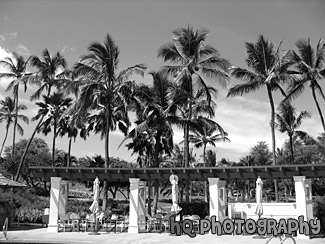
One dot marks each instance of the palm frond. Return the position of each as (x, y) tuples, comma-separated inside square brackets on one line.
[(20, 129), (125, 74), (244, 88)]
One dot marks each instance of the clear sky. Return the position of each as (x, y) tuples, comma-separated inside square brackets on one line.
[(140, 27)]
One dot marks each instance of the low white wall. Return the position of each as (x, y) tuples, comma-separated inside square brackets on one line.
[(270, 210)]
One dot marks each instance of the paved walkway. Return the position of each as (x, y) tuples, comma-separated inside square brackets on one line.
[(42, 236)]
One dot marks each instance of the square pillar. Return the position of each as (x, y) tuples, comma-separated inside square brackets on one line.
[(54, 204), (217, 198), (63, 200), (134, 206), (301, 200), (309, 199), (142, 205)]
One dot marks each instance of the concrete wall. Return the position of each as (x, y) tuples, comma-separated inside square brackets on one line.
[(270, 210)]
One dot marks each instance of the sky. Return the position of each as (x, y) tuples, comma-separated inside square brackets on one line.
[(140, 27)]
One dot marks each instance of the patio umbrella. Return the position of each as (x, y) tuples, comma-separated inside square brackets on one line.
[(94, 208), (7, 183), (259, 188), (175, 208)]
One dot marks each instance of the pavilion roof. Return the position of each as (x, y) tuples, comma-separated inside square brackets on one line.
[(194, 174)]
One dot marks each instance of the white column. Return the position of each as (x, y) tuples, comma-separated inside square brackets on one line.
[(309, 200), (301, 200), (134, 205), (54, 204), (217, 198), (63, 200), (142, 205)]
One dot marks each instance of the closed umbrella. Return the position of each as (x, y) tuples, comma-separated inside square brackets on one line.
[(175, 209), (94, 208), (259, 206)]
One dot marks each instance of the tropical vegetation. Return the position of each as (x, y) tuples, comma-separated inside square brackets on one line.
[(96, 96)]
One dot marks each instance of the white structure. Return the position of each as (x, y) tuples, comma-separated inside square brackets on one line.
[(217, 203)]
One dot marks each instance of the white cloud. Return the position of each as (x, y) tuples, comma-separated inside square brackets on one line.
[(246, 121), (3, 54), (22, 50), (2, 38), (12, 35)]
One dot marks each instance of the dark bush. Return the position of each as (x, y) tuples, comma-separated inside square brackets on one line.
[(199, 208), (319, 211)]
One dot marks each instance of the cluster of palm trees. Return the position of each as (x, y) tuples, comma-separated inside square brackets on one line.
[(182, 94)]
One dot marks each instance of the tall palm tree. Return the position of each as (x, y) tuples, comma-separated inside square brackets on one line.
[(52, 109), (48, 71), (288, 122), (310, 64), (193, 60), (72, 124), (266, 69), (8, 114), (156, 113), (204, 135), (106, 91), (46, 78), (17, 72)]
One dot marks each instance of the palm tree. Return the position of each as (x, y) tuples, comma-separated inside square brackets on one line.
[(106, 91), (72, 124), (8, 114), (289, 122), (53, 109), (46, 78), (310, 64), (156, 113), (17, 72), (193, 60), (205, 134), (266, 69), (48, 71)]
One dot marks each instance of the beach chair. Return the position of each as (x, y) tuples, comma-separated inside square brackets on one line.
[(196, 222), (158, 221), (64, 223), (150, 223), (122, 223)]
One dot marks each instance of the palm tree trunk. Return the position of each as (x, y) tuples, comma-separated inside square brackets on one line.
[(106, 166), (272, 123), (149, 198), (273, 138), (206, 192), (27, 147), (155, 197), (156, 165), (16, 119), (291, 149), (4, 141), (186, 146), (53, 144), (318, 108), (69, 152), (187, 150)]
